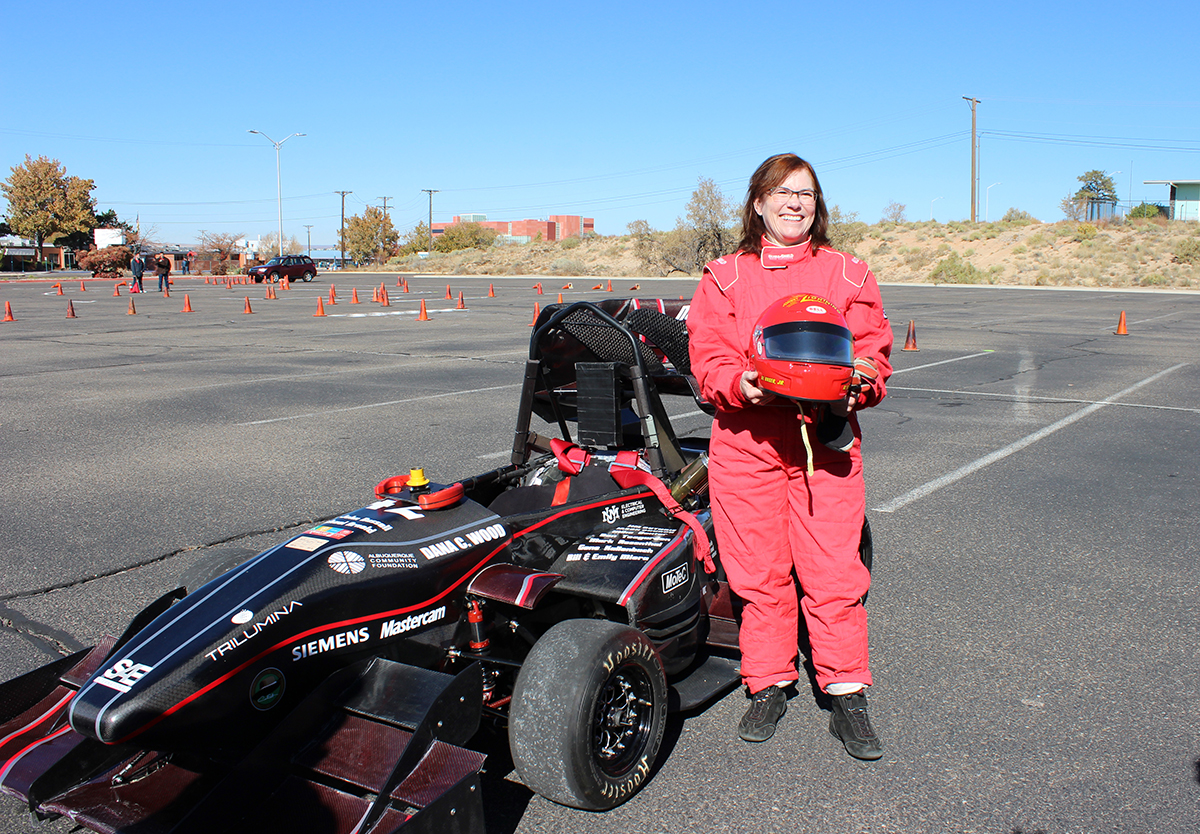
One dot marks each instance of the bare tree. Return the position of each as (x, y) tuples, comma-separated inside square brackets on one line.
[(893, 212)]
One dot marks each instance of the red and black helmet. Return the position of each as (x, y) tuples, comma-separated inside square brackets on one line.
[(804, 350)]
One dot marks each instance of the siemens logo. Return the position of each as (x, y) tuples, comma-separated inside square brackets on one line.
[(394, 628)]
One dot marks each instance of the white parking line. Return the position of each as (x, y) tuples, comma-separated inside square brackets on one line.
[(377, 405), (943, 362), (963, 471)]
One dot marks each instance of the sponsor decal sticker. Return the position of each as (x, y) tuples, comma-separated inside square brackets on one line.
[(124, 675), (366, 525), (330, 532), (631, 543), (309, 543), (387, 561), (341, 640), (246, 615), (622, 511), (816, 309), (394, 628), (463, 542), (347, 561), (267, 689), (675, 577)]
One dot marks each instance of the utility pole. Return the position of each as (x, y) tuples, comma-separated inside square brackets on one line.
[(342, 262), (974, 144), (309, 227), (430, 192)]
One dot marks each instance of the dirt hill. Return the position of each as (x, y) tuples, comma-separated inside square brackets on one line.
[(1142, 253)]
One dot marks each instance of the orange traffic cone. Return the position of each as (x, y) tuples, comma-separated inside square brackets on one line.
[(598, 287), (287, 284), (320, 307), (116, 290), (247, 310), (8, 316), (60, 292), (568, 286), (71, 310), (635, 287), (167, 290), (423, 315), (609, 285), (448, 295), (406, 285), (399, 281), (536, 312), (132, 310), (538, 287), (491, 291), (461, 304), (1121, 331), (910, 343), (332, 294), (354, 296), (384, 298), (82, 288), (560, 298), (187, 304)]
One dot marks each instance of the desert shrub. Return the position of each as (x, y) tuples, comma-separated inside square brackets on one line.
[(567, 266), (1017, 217), (954, 270), (1020, 249), (1147, 210), (107, 262), (1084, 231), (571, 243), (1187, 251)]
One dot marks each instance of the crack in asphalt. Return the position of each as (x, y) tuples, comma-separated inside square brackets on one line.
[(49, 639)]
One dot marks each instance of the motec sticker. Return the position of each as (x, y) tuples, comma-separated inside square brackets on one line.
[(124, 675), (675, 577)]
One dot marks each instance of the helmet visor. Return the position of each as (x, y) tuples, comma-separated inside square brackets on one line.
[(809, 341)]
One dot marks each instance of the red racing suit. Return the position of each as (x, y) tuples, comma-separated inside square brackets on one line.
[(771, 516)]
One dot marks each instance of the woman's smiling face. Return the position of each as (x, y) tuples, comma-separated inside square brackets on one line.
[(788, 210)]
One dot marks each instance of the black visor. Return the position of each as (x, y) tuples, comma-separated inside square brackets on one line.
[(809, 341)]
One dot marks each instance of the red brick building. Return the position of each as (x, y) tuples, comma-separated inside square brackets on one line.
[(557, 227)]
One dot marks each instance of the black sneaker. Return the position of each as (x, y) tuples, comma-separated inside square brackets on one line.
[(850, 724), (766, 707)]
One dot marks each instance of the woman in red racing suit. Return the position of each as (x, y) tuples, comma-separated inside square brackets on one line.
[(781, 502)]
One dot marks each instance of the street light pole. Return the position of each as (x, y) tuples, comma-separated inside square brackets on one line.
[(309, 227), (987, 201), (278, 180), (430, 192)]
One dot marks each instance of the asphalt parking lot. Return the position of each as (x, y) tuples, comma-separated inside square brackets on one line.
[(1032, 484)]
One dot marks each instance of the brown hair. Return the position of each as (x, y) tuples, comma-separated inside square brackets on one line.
[(770, 175)]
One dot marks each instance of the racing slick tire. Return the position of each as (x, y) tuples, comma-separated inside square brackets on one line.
[(588, 712), (211, 565)]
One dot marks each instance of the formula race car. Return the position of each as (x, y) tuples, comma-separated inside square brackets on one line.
[(332, 683)]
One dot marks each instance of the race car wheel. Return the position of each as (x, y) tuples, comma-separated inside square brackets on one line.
[(211, 565), (308, 276), (274, 276), (588, 712)]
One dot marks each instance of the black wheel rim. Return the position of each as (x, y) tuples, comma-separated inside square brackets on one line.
[(623, 720)]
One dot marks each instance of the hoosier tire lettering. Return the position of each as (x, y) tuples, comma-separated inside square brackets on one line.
[(589, 739)]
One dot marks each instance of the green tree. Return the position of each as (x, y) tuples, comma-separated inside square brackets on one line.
[(1098, 186), (464, 236), (45, 204), (370, 235), (1146, 210), (415, 240)]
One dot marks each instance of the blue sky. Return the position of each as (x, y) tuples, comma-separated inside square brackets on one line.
[(611, 111)]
